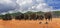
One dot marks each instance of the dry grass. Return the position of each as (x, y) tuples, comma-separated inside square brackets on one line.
[(30, 24)]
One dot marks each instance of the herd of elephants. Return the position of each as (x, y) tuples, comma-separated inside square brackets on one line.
[(29, 17)]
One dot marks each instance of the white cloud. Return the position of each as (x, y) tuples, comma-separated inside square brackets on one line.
[(23, 2), (27, 5), (33, 7), (8, 5), (5, 1), (3, 13), (42, 6)]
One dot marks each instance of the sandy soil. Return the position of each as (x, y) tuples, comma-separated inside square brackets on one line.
[(30, 24)]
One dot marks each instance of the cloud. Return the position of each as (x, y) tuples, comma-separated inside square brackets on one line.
[(8, 5), (6, 1), (33, 5), (44, 7), (54, 3), (24, 6)]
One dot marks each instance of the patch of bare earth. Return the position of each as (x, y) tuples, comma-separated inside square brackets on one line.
[(30, 24)]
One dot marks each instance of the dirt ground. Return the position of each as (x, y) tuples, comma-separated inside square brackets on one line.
[(55, 23)]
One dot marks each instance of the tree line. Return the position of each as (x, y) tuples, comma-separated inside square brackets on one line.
[(28, 15)]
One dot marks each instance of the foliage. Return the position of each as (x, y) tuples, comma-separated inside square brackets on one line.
[(57, 13)]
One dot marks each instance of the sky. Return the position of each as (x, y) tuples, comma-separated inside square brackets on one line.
[(11, 6), (54, 3)]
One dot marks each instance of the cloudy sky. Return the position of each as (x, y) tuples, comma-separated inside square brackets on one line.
[(28, 5)]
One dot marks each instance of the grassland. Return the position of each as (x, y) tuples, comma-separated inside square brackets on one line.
[(55, 23)]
